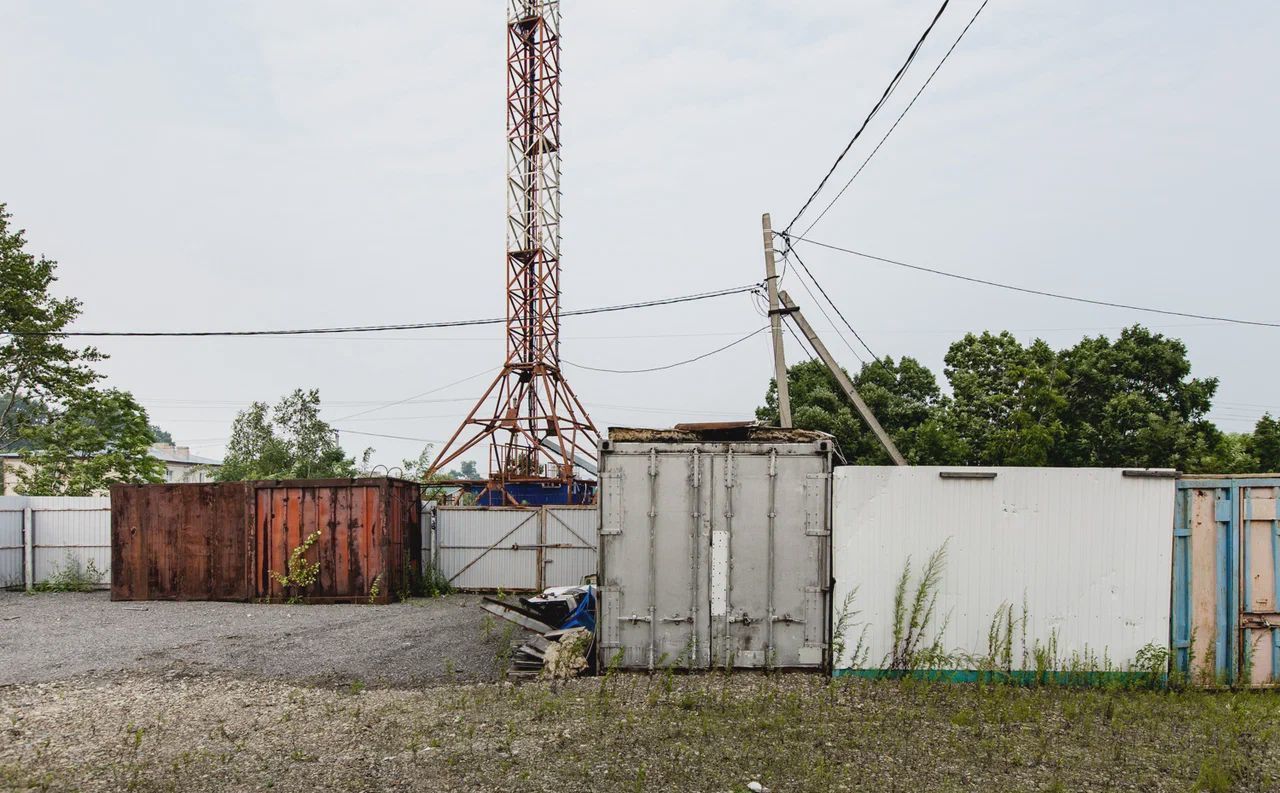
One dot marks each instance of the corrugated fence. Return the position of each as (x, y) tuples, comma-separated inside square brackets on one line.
[(41, 535), (515, 548)]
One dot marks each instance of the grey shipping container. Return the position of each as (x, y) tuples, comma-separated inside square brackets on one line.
[(715, 548)]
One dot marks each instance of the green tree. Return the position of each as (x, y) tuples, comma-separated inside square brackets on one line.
[(903, 396), (1006, 407), (39, 374), (1133, 402), (101, 438), (289, 441), (1263, 446), (160, 436)]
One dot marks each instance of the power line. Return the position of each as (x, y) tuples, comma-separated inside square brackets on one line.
[(839, 313), (830, 321), (893, 84), (670, 365), (385, 405), (393, 437), (1040, 292), (407, 326), (904, 112)]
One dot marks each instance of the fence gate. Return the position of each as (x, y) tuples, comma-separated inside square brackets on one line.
[(515, 548)]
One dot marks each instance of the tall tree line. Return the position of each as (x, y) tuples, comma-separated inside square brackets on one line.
[(1130, 401)]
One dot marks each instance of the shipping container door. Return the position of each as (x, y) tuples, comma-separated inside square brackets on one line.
[(1260, 583), (768, 554), (659, 618)]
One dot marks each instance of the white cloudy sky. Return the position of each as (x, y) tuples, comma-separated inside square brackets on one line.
[(198, 165)]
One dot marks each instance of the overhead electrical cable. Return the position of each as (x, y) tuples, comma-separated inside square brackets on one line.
[(897, 121), (406, 326), (383, 435), (385, 405), (893, 84), (756, 332), (830, 321), (839, 313), (1040, 292)]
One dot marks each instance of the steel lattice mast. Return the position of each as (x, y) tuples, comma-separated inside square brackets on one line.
[(535, 426)]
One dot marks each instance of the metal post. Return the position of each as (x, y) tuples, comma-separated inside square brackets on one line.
[(653, 556), (845, 383), (775, 326), (695, 497), (28, 549), (773, 513), (728, 555)]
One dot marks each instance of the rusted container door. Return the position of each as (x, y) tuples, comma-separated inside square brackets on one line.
[(368, 537), (180, 542), (1226, 581)]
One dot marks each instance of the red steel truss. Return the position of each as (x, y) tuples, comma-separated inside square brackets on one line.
[(535, 426)]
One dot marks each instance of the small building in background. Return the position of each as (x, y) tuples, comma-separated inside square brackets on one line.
[(180, 465)]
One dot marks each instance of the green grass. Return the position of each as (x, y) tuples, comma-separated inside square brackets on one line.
[(627, 732)]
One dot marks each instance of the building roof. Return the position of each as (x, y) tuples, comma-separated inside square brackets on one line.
[(180, 454)]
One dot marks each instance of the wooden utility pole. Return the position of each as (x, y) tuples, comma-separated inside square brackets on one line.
[(775, 325), (794, 311)]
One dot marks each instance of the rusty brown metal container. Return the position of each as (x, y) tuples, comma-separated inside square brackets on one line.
[(368, 537), (232, 540), (181, 542)]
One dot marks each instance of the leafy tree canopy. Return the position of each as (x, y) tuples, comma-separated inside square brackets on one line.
[(39, 374), (75, 437), (1127, 402), (101, 438), (289, 441)]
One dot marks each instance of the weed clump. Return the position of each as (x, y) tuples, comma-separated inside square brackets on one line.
[(71, 576), (299, 573)]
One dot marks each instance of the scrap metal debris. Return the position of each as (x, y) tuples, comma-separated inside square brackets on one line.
[(563, 622)]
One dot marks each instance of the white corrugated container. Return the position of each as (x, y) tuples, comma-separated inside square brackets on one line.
[(1087, 551), (714, 548)]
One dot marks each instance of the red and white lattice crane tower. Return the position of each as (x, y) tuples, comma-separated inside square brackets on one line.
[(537, 431)]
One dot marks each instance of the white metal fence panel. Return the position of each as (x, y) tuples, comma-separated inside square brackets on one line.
[(11, 541), (488, 547), (571, 538), (64, 531), (1087, 552), (514, 548)]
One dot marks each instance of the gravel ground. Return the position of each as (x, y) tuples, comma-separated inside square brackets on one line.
[(54, 636), (205, 732)]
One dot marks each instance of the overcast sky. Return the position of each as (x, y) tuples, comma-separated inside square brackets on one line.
[(236, 165)]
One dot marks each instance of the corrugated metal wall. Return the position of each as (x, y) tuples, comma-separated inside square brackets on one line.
[(1087, 550), (515, 548), (64, 530)]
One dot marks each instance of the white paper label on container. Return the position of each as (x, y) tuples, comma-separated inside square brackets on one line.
[(719, 573)]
